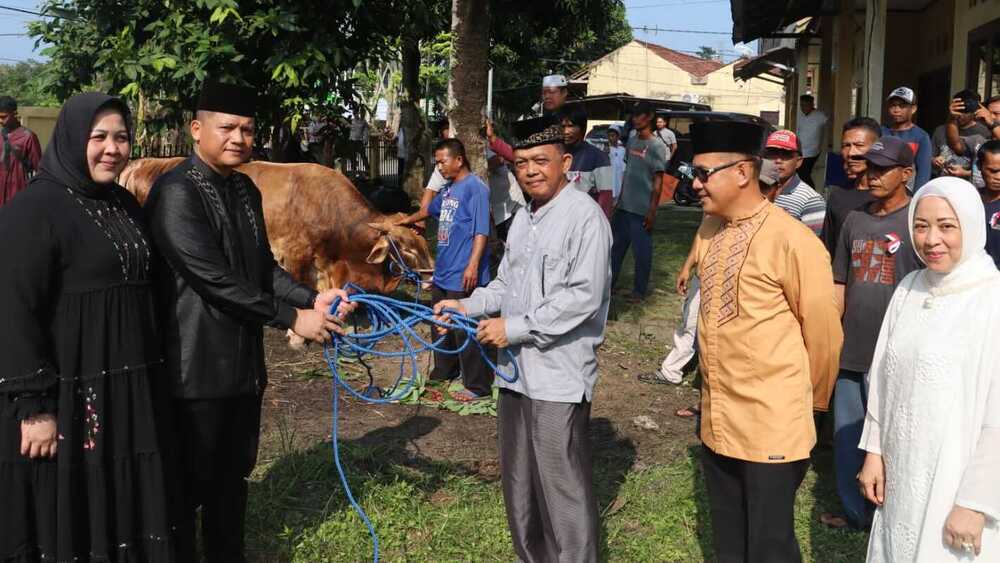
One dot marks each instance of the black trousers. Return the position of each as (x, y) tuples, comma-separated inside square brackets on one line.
[(218, 441), (806, 172), (476, 375), (547, 478), (753, 507)]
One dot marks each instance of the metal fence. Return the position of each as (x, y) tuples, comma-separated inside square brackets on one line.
[(376, 158), (162, 150)]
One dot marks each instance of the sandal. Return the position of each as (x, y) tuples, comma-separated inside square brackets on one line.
[(688, 412), (656, 378), (834, 521), (466, 396)]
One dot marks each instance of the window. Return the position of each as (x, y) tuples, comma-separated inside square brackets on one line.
[(984, 60), (681, 125)]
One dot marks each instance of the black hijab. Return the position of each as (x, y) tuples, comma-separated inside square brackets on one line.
[(65, 158)]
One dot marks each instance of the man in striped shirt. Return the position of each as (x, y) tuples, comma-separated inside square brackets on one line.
[(590, 171), (791, 193)]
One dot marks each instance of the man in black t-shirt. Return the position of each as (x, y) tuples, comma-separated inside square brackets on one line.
[(858, 136), (873, 255)]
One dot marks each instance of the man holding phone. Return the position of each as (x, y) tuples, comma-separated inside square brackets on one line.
[(956, 142)]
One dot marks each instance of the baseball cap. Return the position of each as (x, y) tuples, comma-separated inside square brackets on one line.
[(783, 140), (768, 172), (903, 93), (890, 151)]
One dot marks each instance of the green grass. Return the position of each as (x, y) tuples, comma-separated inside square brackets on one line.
[(432, 510)]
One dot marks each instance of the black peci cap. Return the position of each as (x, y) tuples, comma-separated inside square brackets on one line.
[(726, 136), (228, 98)]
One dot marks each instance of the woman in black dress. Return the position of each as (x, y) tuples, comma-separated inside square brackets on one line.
[(81, 468)]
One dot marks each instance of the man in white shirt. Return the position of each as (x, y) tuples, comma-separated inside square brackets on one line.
[(358, 137), (810, 133)]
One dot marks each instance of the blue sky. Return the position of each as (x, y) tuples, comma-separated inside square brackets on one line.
[(699, 15)]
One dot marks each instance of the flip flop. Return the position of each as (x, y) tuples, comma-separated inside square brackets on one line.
[(656, 378), (688, 412), (834, 521)]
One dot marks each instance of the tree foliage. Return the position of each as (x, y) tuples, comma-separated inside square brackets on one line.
[(294, 52), (708, 53), (302, 52), (26, 83)]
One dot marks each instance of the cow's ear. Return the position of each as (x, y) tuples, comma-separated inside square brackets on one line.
[(379, 251)]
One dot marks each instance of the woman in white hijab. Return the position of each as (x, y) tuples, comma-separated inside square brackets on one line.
[(932, 432)]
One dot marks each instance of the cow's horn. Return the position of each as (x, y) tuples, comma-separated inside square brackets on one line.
[(380, 227)]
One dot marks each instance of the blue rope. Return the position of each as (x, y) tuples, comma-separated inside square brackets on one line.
[(390, 317)]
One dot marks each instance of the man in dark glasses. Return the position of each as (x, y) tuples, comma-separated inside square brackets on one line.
[(769, 337)]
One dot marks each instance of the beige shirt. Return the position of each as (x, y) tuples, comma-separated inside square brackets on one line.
[(769, 335)]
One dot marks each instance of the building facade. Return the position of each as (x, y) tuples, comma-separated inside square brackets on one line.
[(649, 70)]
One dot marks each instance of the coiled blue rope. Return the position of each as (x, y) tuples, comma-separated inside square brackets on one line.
[(388, 318)]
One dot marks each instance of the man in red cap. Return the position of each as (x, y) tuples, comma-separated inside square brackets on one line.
[(791, 193)]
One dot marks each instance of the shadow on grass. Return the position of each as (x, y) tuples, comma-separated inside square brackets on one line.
[(614, 456), (703, 512), (299, 495), (301, 489)]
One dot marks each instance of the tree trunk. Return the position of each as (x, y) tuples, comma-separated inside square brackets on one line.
[(409, 119), (470, 35)]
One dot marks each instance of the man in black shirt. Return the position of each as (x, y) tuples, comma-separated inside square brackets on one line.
[(219, 286), (858, 136)]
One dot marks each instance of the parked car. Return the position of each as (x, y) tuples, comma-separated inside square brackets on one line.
[(680, 122), (598, 136)]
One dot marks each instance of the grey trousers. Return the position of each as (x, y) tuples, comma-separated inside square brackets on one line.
[(547, 478)]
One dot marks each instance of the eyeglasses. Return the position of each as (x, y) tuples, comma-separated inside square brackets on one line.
[(702, 174)]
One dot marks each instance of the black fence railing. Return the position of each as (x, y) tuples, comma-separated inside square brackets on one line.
[(162, 150), (376, 158)]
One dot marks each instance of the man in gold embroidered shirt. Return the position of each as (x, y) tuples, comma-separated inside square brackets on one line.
[(769, 337)]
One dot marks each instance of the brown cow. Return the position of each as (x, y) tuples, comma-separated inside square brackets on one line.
[(322, 230)]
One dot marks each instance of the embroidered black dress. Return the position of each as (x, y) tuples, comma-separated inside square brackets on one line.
[(78, 339)]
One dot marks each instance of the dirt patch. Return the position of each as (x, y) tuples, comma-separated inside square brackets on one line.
[(297, 412)]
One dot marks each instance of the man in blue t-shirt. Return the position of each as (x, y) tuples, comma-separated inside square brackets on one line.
[(462, 263), (902, 106), (988, 161)]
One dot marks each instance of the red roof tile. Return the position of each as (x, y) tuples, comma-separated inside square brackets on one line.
[(695, 66)]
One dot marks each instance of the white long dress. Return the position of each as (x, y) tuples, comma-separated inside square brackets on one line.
[(934, 414)]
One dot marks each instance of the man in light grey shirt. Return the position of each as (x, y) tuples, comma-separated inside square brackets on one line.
[(552, 293)]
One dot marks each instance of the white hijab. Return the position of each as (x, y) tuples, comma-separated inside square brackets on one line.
[(975, 265)]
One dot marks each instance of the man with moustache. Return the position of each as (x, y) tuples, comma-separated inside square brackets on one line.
[(552, 293), (873, 255), (219, 285), (988, 161), (768, 338), (859, 134)]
